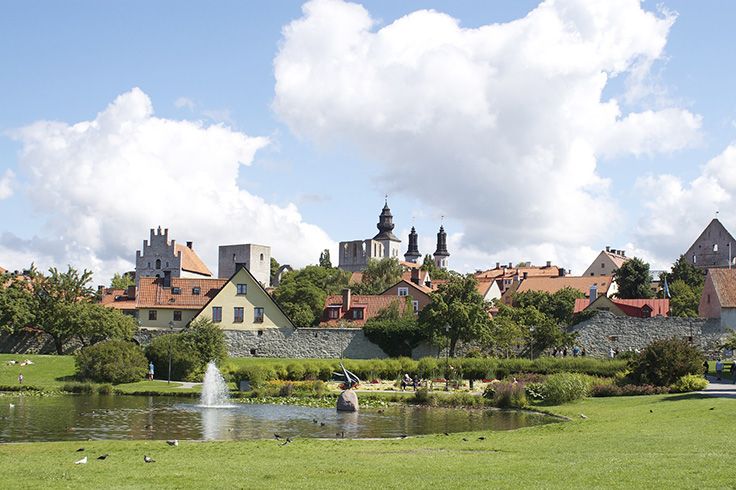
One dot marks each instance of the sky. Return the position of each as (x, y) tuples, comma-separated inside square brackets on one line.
[(532, 131)]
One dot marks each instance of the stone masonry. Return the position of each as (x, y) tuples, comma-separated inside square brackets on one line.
[(606, 331)]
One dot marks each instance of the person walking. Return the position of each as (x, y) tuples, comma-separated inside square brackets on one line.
[(719, 369), (733, 371), (20, 378), (705, 367), (150, 371)]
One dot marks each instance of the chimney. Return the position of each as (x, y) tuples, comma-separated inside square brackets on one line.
[(511, 265), (189, 245), (346, 299), (498, 265), (100, 289), (415, 276), (549, 263), (593, 293), (130, 293), (561, 272), (526, 274), (608, 248), (623, 253)]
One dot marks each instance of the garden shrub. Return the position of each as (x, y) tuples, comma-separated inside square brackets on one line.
[(689, 382), (296, 371), (207, 340), (534, 391), (186, 363), (427, 368), (423, 396), (566, 387), (112, 361), (507, 395), (663, 362), (257, 375), (610, 389), (79, 388)]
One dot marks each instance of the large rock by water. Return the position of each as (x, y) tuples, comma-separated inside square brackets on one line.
[(347, 401)]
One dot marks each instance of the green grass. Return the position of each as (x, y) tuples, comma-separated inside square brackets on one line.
[(675, 441), (46, 372)]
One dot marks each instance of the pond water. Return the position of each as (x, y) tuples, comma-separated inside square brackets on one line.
[(82, 417)]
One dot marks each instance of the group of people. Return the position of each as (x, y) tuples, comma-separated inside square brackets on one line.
[(563, 352), (407, 381), (719, 369)]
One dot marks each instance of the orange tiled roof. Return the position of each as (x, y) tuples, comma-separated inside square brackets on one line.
[(152, 294), (484, 285), (631, 306), (617, 259), (724, 282), (554, 284), (117, 298), (406, 276), (3, 271), (370, 303), (419, 287), (190, 261)]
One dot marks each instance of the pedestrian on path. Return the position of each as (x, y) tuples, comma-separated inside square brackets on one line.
[(719, 369), (20, 378), (733, 371), (705, 367)]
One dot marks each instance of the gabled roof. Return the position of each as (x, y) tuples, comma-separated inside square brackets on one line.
[(554, 284), (117, 299), (617, 259), (190, 261), (724, 282), (151, 293), (406, 276), (484, 285), (371, 304), (418, 287)]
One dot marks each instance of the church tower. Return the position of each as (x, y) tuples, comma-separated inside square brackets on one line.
[(385, 233), (441, 254), (412, 254)]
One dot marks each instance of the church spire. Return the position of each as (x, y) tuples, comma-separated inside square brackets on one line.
[(386, 224), (412, 254), (441, 254)]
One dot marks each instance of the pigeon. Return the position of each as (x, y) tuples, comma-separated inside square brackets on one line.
[(651, 411), (481, 438), (287, 441), (583, 416), (322, 424), (277, 437), (81, 461), (446, 433), (173, 442), (712, 408), (465, 439), (404, 436), (148, 459), (315, 421), (103, 457), (80, 449)]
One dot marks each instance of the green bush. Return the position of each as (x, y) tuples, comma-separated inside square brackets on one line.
[(80, 388), (611, 389), (207, 340), (296, 371), (689, 382), (423, 397), (566, 387), (427, 368), (186, 363), (112, 361), (506, 395), (663, 362), (257, 375)]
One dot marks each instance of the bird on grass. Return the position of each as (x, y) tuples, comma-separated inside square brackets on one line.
[(583, 416), (315, 421), (712, 408), (287, 441), (81, 461), (277, 437), (651, 411), (465, 439), (481, 438), (80, 449), (148, 459), (173, 442), (322, 424), (103, 457), (404, 436)]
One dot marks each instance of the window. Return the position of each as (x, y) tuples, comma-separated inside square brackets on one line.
[(358, 314), (260, 333), (403, 291), (415, 304), (177, 315), (333, 313), (252, 352), (694, 260), (715, 247), (175, 290), (592, 273), (708, 298), (261, 257), (603, 266), (158, 263), (152, 315), (242, 289), (217, 314), (238, 314), (196, 291), (257, 315), (167, 264)]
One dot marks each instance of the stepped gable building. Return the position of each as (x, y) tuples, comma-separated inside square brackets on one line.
[(606, 262), (712, 248), (354, 255), (168, 259)]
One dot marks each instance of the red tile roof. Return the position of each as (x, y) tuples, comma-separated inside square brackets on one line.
[(190, 261), (554, 284), (724, 282), (370, 304), (631, 307), (484, 285), (117, 299), (152, 294)]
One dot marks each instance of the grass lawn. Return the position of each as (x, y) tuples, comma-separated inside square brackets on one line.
[(674, 441)]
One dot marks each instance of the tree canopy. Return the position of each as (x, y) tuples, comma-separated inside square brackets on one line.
[(302, 292), (633, 280), (559, 305), (121, 281), (685, 287), (379, 275), (395, 331), (324, 259), (434, 271)]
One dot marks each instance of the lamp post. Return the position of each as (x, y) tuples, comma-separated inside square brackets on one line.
[(531, 343), (171, 328), (447, 359)]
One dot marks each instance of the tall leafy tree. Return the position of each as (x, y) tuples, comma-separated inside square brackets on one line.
[(324, 259), (18, 305), (395, 329), (305, 290), (685, 287), (633, 280), (684, 300), (379, 275), (559, 305), (434, 271), (121, 281), (457, 313), (684, 271), (274, 269), (92, 323)]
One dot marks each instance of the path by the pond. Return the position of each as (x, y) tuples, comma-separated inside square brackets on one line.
[(724, 388)]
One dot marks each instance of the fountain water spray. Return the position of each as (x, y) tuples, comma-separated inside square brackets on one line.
[(214, 388)]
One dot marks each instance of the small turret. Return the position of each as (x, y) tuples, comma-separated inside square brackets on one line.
[(412, 254), (441, 254), (386, 225)]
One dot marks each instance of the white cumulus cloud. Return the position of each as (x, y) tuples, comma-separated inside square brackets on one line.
[(103, 183), (500, 127), (7, 181)]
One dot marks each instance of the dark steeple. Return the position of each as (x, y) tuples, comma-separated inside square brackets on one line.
[(441, 244), (386, 225), (412, 254)]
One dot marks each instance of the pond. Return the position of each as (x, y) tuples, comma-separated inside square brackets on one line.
[(82, 417)]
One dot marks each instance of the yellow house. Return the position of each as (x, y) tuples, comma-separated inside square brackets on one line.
[(243, 304)]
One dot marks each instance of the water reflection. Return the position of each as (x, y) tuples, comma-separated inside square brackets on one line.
[(120, 417)]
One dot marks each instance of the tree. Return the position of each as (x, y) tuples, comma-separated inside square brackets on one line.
[(505, 335), (395, 331), (18, 305), (559, 306), (93, 323), (685, 301), (379, 275), (683, 270), (663, 362), (306, 289), (633, 280), (275, 266), (121, 281), (434, 271), (207, 339), (457, 313), (541, 331), (324, 259)]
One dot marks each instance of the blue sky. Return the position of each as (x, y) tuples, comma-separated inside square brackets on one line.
[(213, 63)]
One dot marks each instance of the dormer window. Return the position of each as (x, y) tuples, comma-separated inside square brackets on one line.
[(196, 291), (403, 291), (175, 290), (358, 314)]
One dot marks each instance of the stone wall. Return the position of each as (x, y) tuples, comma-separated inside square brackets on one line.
[(606, 331), (33, 343)]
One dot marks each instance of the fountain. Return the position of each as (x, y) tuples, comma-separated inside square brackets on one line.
[(214, 388)]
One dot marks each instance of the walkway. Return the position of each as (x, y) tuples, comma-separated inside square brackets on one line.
[(724, 388)]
